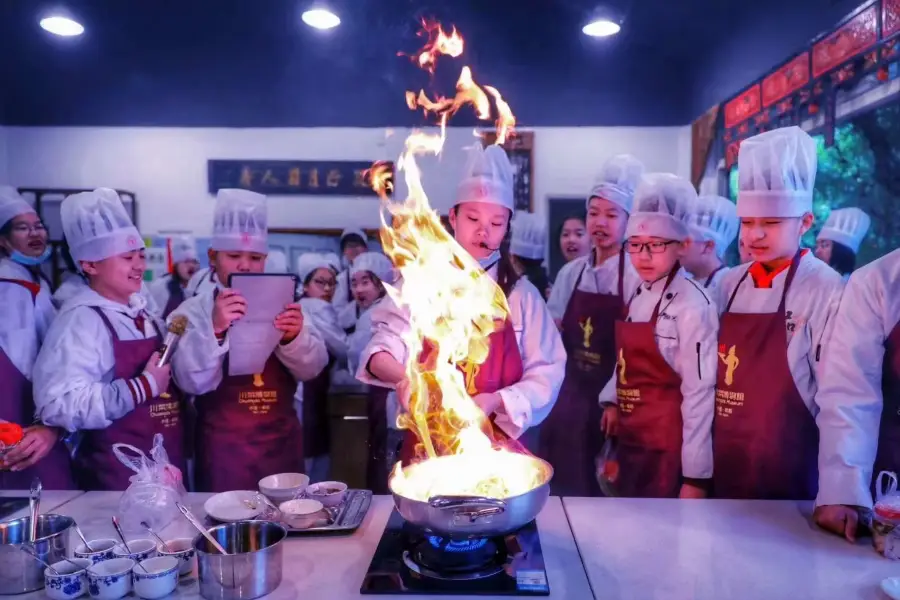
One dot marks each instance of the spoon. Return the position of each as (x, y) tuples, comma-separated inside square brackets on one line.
[(27, 550), (193, 520), (81, 535), (115, 522), (146, 526), (34, 504)]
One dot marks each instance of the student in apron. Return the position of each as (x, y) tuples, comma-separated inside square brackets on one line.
[(528, 247), (97, 371), (518, 383), (169, 290), (247, 427), (713, 226), (26, 316), (859, 396), (838, 242), (776, 317), (660, 400), (587, 299)]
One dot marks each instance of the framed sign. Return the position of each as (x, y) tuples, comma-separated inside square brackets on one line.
[(293, 177), (520, 149)]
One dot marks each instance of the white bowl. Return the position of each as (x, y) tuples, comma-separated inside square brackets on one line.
[(302, 514), (102, 550), (137, 550), (230, 507), (110, 579), (891, 587), (156, 577), (284, 486), (183, 550), (71, 581), (329, 493)]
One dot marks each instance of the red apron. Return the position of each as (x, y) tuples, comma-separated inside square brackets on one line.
[(377, 469), (570, 436), (316, 434), (176, 296), (649, 405), (765, 440), (888, 456), (97, 468)]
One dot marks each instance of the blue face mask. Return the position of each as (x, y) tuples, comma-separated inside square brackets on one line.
[(489, 261), (30, 261)]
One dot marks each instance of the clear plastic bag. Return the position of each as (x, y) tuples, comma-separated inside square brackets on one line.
[(607, 465), (155, 487), (886, 516)]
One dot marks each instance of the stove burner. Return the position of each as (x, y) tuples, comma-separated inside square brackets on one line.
[(443, 558), (457, 545)]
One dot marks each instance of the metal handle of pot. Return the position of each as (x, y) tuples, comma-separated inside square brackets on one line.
[(468, 506)]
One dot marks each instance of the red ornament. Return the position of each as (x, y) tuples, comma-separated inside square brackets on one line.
[(813, 109), (883, 74)]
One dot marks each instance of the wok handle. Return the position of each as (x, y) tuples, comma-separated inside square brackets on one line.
[(471, 507)]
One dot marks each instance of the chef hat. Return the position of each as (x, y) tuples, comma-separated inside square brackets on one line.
[(529, 236), (847, 226), (487, 178), (662, 204), (376, 263), (183, 248), (333, 260), (276, 262), (97, 226), (618, 180), (240, 222), (714, 219), (310, 262), (12, 204), (351, 231), (776, 174)]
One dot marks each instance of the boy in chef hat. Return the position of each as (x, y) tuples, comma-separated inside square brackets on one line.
[(660, 399), (246, 427), (528, 248), (773, 329), (838, 242), (168, 291), (713, 225)]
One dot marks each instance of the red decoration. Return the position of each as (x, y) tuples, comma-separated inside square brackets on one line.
[(743, 107), (855, 36), (731, 154), (890, 18), (789, 78), (813, 109), (883, 74)]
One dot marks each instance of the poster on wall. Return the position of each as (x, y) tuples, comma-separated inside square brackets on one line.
[(293, 177)]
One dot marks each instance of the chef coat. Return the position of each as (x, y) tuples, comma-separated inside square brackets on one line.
[(687, 333), (524, 404), (75, 284), (202, 280), (199, 358), (322, 314), (597, 279), (357, 343), (25, 319), (713, 284), (850, 394), (342, 292), (810, 306), (73, 376), (158, 291)]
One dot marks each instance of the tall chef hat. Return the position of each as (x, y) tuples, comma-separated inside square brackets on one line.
[(276, 262), (376, 263), (352, 231), (333, 260), (310, 262), (97, 226), (662, 204), (240, 222), (183, 248), (488, 178), (714, 219), (618, 180), (776, 174), (847, 226), (12, 204), (529, 236)]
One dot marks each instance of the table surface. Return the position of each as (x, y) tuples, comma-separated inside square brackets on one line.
[(50, 500)]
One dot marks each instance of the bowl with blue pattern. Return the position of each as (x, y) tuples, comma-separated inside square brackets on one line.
[(69, 581), (156, 577), (183, 550), (110, 579)]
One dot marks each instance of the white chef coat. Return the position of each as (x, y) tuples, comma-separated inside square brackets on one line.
[(524, 404), (201, 281), (24, 319), (850, 395), (322, 314), (687, 334), (357, 343), (342, 296), (73, 376), (810, 307), (158, 290), (75, 284), (199, 358), (597, 279), (716, 280)]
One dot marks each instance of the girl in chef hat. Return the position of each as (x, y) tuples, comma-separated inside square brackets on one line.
[(776, 312), (247, 427), (713, 225), (573, 239), (528, 248), (169, 290), (840, 238), (517, 384), (588, 297), (26, 316), (97, 371), (660, 399), (353, 242)]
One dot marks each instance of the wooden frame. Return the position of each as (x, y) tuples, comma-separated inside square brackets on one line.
[(521, 143)]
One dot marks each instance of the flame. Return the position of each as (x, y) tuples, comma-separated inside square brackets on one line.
[(438, 43)]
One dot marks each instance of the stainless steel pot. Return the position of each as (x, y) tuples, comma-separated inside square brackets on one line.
[(252, 567), (19, 573), (473, 516)]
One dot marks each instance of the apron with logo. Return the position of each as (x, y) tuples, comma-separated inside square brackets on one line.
[(176, 296), (888, 456), (765, 440)]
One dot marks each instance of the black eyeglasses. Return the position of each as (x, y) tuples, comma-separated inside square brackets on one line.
[(652, 247), (325, 283)]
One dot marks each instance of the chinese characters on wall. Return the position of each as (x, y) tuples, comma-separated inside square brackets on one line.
[(292, 177)]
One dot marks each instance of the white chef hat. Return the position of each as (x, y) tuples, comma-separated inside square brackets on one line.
[(618, 180), (776, 174), (847, 226), (529, 236), (240, 222), (310, 262), (376, 263), (714, 219), (276, 262), (183, 248), (333, 260), (97, 226), (487, 178), (353, 231), (12, 204), (662, 204)]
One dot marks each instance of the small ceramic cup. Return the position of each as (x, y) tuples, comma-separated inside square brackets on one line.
[(156, 577), (329, 493), (110, 579), (101, 550), (183, 550), (301, 514), (139, 550), (71, 581)]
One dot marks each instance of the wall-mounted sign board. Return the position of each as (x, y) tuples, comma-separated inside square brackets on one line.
[(293, 177)]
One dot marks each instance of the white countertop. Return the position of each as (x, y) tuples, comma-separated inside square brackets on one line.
[(50, 500), (716, 549)]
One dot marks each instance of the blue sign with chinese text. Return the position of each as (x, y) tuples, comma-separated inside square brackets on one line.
[(292, 177)]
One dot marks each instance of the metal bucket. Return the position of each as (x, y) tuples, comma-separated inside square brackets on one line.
[(252, 567), (19, 573)]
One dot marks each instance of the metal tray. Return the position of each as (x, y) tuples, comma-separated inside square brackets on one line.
[(350, 515)]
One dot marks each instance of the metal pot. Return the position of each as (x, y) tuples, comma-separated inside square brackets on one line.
[(473, 516), (20, 573), (252, 567)]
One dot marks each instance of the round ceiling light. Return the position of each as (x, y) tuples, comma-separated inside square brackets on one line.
[(601, 28), (321, 18), (62, 26)]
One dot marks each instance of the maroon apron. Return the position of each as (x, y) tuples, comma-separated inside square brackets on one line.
[(377, 469), (765, 440), (176, 296), (712, 275), (316, 434), (570, 436), (17, 406), (97, 468), (649, 398), (888, 456)]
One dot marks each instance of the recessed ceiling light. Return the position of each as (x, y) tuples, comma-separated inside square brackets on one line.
[(321, 18), (601, 28), (62, 26)]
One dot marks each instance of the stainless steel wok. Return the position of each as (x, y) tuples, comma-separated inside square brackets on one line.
[(472, 516)]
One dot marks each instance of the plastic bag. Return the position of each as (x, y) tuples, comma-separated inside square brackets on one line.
[(155, 487), (607, 465), (886, 516)]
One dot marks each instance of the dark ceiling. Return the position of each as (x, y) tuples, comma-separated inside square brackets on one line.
[(244, 63)]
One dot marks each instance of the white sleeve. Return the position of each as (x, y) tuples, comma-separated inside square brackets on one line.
[(850, 398), (608, 393), (324, 317), (346, 315), (563, 288), (18, 330), (305, 356), (358, 340), (159, 291), (821, 324), (389, 324), (198, 359)]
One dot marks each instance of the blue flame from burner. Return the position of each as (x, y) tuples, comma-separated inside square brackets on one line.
[(457, 545)]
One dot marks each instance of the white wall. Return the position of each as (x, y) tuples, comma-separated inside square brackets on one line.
[(167, 168)]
